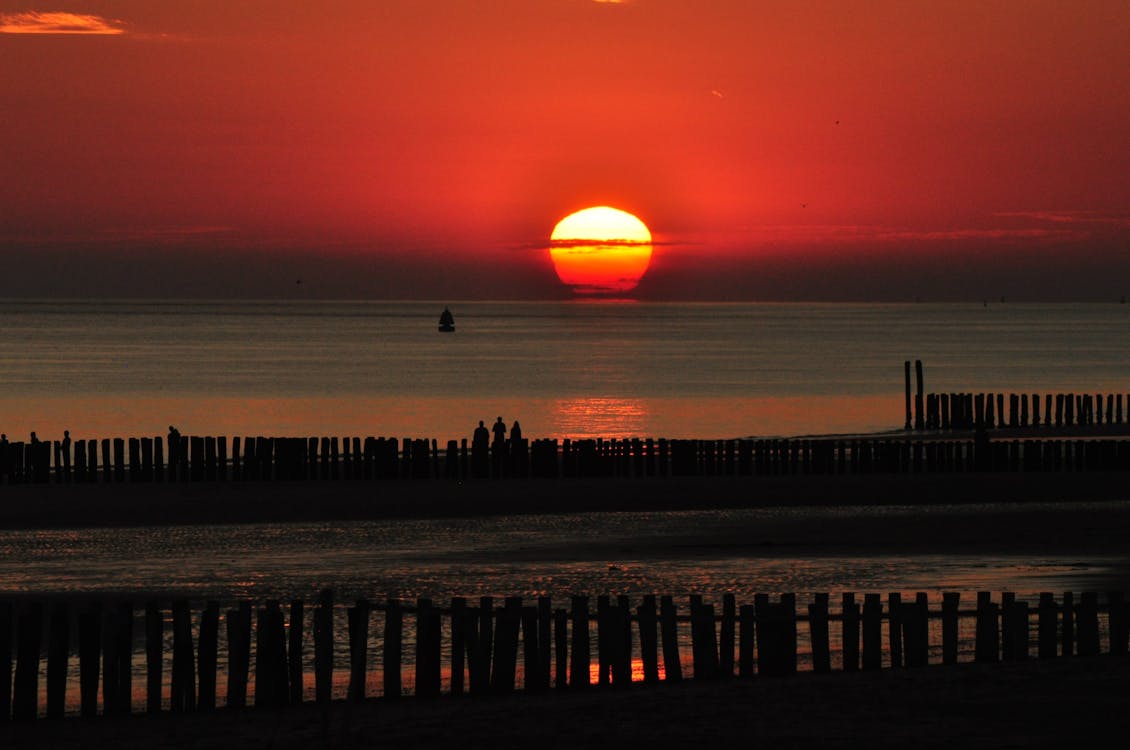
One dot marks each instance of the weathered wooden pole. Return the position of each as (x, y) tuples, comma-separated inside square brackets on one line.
[(951, 602), (872, 631), (894, 629), (458, 645), (58, 652), (919, 416), (818, 634), (849, 616), (6, 613), (1067, 624), (25, 688), (1047, 626), (324, 648), (239, 654), (184, 679), (987, 634), (357, 618), (580, 664), (427, 649), (207, 655), (1118, 627), (90, 648), (394, 631), (669, 632), (1088, 624), (154, 650), (648, 622), (294, 651), (561, 648), (726, 637)]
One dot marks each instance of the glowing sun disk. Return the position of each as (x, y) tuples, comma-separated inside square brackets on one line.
[(600, 250)]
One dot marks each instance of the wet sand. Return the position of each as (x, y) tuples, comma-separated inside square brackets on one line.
[(82, 505), (1061, 703)]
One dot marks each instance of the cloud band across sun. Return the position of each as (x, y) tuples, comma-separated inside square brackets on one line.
[(58, 22)]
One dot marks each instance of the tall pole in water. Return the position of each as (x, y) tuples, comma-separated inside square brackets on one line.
[(906, 373), (919, 420)]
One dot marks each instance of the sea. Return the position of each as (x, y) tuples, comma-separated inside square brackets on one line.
[(563, 369)]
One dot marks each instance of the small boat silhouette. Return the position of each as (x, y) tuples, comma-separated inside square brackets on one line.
[(446, 322)]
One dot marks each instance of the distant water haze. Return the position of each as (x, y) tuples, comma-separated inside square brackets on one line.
[(563, 369)]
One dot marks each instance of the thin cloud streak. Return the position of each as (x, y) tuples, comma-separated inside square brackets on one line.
[(58, 22)]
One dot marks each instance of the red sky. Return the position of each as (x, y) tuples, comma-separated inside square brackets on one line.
[(378, 148)]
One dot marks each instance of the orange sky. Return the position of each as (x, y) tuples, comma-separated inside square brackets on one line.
[(399, 149)]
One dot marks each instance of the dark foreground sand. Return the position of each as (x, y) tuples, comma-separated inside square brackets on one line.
[(1063, 703), (75, 506)]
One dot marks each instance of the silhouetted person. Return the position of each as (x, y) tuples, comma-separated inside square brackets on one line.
[(174, 447), (35, 440), (515, 432), (480, 452), (66, 449), (498, 448)]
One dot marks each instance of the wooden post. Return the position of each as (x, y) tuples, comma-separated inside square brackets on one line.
[(90, 647), (919, 417), (746, 623), (239, 654), (582, 658), (1008, 598), (872, 631), (458, 644), (358, 623), (206, 655), (427, 649), (951, 601), (6, 612), (987, 644), (184, 679), (294, 651), (561, 648), (1047, 624), (154, 650), (545, 642), (849, 615), (726, 637), (648, 622), (58, 651), (1088, 624), (324, 649), (704, 644), (669, 632), (481, 662), (906, 377), (818, 633), (1067, 626), (531, 650), (894, 629), (504, 667), (25, 689), (394, 630), (1118, 627)]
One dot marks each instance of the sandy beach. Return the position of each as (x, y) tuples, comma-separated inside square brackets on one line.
[(1065, 702)]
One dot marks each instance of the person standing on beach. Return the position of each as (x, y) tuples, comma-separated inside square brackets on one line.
[(480, 452), (515, 432), (174, 446), (499, 431)]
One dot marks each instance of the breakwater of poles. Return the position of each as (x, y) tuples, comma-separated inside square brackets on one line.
[(198, 658), (212, 458), (988, 410)]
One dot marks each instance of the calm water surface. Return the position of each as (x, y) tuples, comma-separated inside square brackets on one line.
[(562, 368)]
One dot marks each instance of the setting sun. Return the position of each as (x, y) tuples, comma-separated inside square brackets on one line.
[(600, 250)]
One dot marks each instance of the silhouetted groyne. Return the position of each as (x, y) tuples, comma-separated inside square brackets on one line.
[(207, 459), (989, 410), (488, 649)]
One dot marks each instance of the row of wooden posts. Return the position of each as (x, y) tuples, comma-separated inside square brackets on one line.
[(967, 411), (484, 644), (300, 459)]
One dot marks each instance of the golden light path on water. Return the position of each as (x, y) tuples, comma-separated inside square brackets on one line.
[(447, 418)]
